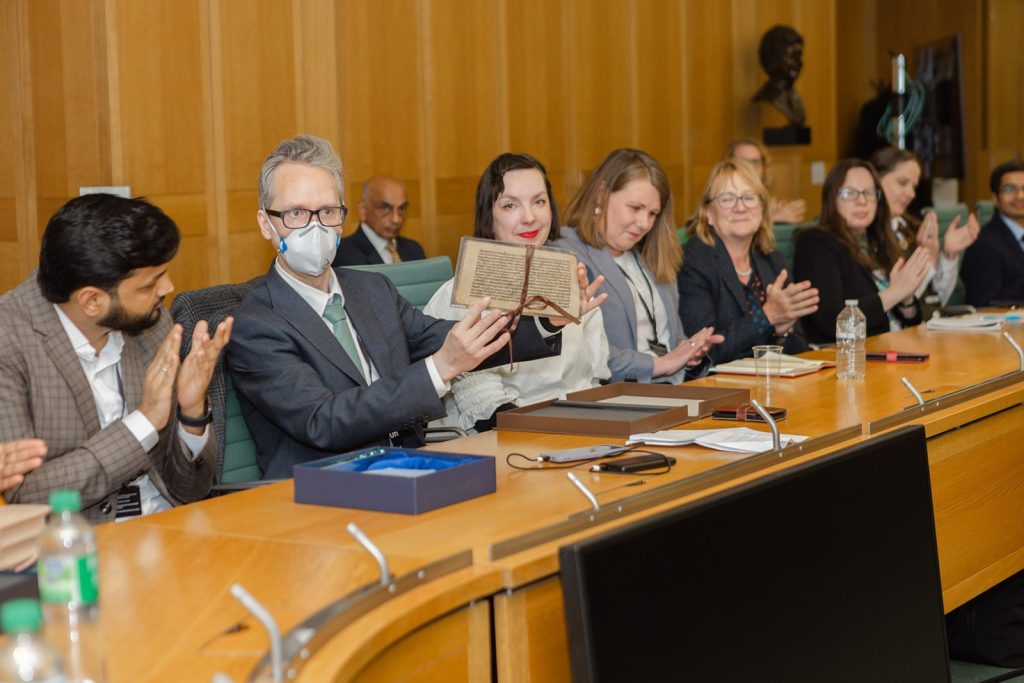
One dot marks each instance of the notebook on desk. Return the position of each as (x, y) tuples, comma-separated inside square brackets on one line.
[(791, 366)]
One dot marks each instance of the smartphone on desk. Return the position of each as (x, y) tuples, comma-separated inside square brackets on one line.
[(745, 412), (603, 450), (636, 463)]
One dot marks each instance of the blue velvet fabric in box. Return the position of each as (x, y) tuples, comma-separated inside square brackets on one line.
[(348, 480)]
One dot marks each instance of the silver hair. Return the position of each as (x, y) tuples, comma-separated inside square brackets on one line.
[(302, 149)]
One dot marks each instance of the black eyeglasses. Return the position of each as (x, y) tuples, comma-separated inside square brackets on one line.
[(294, 219), (727, 200), (849, 194), (1010, 190)]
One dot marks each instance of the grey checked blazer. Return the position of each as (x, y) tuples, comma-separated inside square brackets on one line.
[(44, 393)]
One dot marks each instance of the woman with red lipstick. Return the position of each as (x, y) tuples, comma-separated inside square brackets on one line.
[(623, 230), (900, 172), (852, 254), (514, 204), (732, 276)]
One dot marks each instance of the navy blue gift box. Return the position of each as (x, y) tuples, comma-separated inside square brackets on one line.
[(389, 479)]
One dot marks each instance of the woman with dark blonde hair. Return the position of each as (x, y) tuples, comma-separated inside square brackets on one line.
[(756, 154), (623, 230), (900, 172), (852, 254), (732, 277)]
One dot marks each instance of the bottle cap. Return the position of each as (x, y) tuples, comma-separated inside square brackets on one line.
[(65, 501), (851, 302), (21, 616)]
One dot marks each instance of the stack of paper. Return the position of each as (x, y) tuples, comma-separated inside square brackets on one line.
[(975, 322), (733, 439), (790, 366), (20, 526)]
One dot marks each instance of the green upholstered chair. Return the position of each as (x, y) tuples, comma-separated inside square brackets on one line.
[(946, 214), (785, 242), (236, 452), (416, 280), (682, 235), (985, 209)]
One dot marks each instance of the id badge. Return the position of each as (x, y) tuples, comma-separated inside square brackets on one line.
[(129, 502), (656, 347)]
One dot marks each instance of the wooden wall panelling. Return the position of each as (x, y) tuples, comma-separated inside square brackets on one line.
[(856, 40), (660, 111), (602, 41), (15, 231), (382, 120), (258, 95), (463, 117), (708, 95), (1003, 134), (534, 84), (161, 120)]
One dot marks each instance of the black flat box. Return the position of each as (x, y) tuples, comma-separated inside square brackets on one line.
[(326, 482)]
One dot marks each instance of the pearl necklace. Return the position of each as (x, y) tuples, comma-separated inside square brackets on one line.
[(744, 273)]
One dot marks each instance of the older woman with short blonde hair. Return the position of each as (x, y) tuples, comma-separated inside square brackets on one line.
[(732, 277)]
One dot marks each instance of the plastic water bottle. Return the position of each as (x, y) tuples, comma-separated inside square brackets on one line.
[(851, 331), (25, 656), (69, 588)]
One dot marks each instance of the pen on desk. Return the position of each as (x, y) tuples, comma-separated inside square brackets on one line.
[(896, 356)]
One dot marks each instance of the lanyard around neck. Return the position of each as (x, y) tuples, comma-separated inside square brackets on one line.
[(648, 310)]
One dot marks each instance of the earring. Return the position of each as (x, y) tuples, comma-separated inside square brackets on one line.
[(597, 210)]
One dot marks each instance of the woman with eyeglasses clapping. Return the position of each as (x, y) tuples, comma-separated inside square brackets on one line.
[(732, 277), (853, 254)]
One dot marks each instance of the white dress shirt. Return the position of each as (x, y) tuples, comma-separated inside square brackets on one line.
[(103, 371), (378, 242)]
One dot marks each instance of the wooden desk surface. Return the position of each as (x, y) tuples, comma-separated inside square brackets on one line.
[(169, 573)]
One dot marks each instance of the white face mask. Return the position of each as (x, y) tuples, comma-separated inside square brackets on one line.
[(311, 249)]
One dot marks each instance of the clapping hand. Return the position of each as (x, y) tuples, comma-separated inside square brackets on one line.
[(784, 305), (959, 237)]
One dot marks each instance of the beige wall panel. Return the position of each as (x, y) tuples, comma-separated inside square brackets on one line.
[(1004, 115), (258, 78), (380, 89), (189, 268), (9, 276), (708, 82), (602, 84), (465, 115), (465, 91), (659, 74), (160, 84), (251, 255), (535, 88), (86, 115)]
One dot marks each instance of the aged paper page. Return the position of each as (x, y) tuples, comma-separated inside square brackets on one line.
[(496, 269)]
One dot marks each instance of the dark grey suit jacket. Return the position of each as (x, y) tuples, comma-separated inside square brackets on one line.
[(301, 394), (357, 250), (710, 293), (993, 267), (44, 393)]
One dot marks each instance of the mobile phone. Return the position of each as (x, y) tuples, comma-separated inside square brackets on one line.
[(746, 413), (637, 463), (584, 453)]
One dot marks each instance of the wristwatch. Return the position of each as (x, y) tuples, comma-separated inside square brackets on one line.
[(196, 421)]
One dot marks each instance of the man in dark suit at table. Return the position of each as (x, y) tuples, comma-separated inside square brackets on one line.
[(328, 360), (382, 214), (89, 364), (993, 267)]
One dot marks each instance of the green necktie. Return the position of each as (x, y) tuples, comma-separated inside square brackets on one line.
[(334, 313)]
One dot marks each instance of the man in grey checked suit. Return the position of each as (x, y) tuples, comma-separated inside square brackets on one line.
[(89, 364)]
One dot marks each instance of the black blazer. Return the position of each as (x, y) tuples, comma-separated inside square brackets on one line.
[(303, 397), (993, 267), (821, 259), (710, 293), (357, 250)]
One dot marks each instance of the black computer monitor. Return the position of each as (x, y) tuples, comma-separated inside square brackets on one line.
[(825, 572)]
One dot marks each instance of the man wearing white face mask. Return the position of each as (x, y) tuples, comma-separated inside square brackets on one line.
[(329, 360)]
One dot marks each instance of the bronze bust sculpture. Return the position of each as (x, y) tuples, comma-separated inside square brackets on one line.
[(781, 56)]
